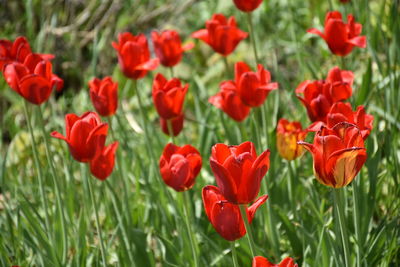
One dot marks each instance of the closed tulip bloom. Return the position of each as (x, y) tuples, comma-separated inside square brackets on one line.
[(342, 112), (225, 217), (179, 166), (104, 95), (288, 134), (253, 87), (134, 55), (247, 5), (341, 37), (168, 47), (319, 96), (238, 171), (33, 79), (102, 165), (221, 34), (228, 100), (338, 154), (259, 261), (85, 135), (177, 125), (168, 96)]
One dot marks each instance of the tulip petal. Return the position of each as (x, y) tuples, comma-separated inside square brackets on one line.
[(224, 181), (360, 41), (251, 211), (202, 35), (151, 64), (315, 31)]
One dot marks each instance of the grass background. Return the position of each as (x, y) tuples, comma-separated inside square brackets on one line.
[(141, 219)]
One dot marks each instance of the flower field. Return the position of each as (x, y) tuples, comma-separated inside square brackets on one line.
[(200, 133)]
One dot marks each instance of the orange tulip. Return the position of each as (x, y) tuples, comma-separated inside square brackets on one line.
[(288, 134)]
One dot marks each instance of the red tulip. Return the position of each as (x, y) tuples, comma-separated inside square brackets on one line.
[(134, 55), (247, 5), (221, 34), (85, 135), (168, 47), (102, 165), (319, 96), (225, 217), (238, 171), (338, 154), (168, 96), (177, 125), (341, 37), (104, 95), (179, 166), (17, 51), (344, 1), (33, 79), (228, 100), (288, 134), (253, 87), (259, 261)]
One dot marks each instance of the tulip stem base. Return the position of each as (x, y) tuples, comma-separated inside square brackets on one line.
[(189, 228), (234, 254), (96, 213), (338, 199), (248, 229)]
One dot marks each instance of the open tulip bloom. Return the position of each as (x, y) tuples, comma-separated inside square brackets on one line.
[(221, 34), (168, 47), (260, 261), (338, 154), (341, 37), (134, 55), (238, 171), (224, 216)]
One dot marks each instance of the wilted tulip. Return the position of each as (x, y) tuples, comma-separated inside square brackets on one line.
[(134, 55), (341, 37), (259, 261), (168, 47), (288, 134), (338, 154), (32, 79), (179, 166), (86, 135), (102, 165), (225, 217), (104, 95), (238, 171), (221, 34)]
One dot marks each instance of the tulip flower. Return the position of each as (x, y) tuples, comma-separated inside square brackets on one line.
[(176, 123), (102, 165), (319, 96), (228, 100), (179, 166), (253, 87), (221, 34), (33, 79), (338, 154), (134, 55), (341, 37), (104, 95), (344, 1), (17, 51), (260, 261), (288, 134), (168, 47), (238, 171), (168, 96), (85, 135), (224, 216), (247, 5)]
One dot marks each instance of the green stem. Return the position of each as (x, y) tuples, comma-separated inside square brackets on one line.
[(192, 238), (56, 185), (38, 169), (227, 69), (291, 189), (343, 63), (356, 215), (234, 254), (243, 131), (96, 213), (171, 130), (248, 230), (252, 37), (338, 199), (171, 72)]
